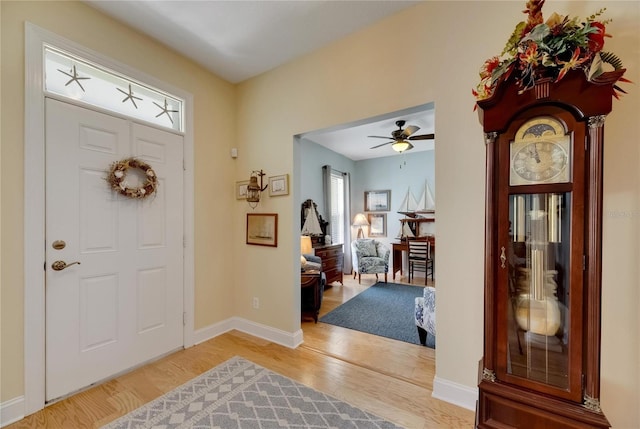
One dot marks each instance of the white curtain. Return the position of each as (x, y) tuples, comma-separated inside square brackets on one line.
[(346, 267), (339, 220)]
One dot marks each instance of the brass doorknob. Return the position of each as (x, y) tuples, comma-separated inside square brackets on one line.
[(61, 265)]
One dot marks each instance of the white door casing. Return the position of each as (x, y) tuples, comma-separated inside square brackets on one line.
[(123, 304), (34, 204)]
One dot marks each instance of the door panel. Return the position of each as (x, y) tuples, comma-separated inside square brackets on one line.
[(122, 305), (98, 312), (159, 245), (98, 217)]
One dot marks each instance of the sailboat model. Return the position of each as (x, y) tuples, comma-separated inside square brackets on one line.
[(409, 205), (426, 203), (311, 224), (405, 232)]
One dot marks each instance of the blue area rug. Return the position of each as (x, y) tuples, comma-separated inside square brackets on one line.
[(384, 309)]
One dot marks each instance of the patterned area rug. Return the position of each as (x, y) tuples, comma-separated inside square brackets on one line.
[(241, 394)]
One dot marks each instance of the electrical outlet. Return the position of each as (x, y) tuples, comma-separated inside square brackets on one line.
[(256, 302)]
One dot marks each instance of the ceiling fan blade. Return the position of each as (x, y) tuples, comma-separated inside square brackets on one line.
[(410, 130), (383, 144), (380, 137), (422, 137)]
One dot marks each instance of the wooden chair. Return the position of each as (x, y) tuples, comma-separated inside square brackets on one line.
[(420, 257)]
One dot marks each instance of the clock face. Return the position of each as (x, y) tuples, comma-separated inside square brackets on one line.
[(540, 161), (540, 153)]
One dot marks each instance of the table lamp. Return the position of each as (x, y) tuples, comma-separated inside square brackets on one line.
[(360, 220), (305, 248)]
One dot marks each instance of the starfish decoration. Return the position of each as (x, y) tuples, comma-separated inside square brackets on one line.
[(165, 110), (74, 77), (130, 96)]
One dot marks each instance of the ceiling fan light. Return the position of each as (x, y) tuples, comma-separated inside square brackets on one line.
[(401, 145)]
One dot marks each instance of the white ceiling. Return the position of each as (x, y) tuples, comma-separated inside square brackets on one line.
[(239, 39), (352, 141)]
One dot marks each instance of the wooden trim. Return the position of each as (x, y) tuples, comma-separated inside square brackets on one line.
[(490, 243), (34, 210), (498, 401), (593, 246)]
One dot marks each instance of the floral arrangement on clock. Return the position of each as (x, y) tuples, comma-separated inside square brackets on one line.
[(118, 174), (539, 49)]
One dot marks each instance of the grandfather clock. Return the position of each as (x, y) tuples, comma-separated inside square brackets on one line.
[(543, 253)]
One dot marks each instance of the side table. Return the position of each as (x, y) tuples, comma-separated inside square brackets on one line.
[(312, 288)]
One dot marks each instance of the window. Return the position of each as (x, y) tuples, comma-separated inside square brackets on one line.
[(80, 80)]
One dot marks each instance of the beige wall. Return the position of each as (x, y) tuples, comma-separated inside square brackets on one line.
[(430, 52), (214, 106)]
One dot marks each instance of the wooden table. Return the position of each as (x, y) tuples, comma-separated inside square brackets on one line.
[(402, 247)]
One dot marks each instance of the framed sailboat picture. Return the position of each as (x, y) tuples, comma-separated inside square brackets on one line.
[(262, 229), (377, 224), (377, 201)]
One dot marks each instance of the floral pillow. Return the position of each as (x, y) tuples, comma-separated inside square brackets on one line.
[(367, 247)]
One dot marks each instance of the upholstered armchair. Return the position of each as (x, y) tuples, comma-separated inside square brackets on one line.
[(425, 314), (310, 262), (369, 256)]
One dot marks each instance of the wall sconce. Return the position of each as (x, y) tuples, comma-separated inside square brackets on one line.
[(360, 220), (254, 189)]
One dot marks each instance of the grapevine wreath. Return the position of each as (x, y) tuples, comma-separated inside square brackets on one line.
[(118, 173)]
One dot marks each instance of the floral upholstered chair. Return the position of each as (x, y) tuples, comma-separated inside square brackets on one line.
[(369, 256), (425, 314)]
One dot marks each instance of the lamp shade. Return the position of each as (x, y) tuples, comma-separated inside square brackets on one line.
[(401, 145), (305, 244), (360, 220)]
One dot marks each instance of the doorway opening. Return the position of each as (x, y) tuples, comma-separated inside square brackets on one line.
[(349, 148)]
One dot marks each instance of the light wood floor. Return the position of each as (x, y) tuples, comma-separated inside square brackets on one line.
[(389, 378)]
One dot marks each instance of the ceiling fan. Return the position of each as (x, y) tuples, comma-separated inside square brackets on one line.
[(399, 138)]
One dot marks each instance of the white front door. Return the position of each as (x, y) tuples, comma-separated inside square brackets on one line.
[(123, 303)]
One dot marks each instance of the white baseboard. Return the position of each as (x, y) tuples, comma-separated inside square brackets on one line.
[(287, 339), (212, 331), (11, 411), (455, 393), (14, 409), (445, 390)]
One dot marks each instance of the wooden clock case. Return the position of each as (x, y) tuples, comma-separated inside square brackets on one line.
[(506, 399)]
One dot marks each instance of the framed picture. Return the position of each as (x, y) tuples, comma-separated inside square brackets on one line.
[(377, 201), (377, 224), (262, 229), (279, 185), (241, 190)]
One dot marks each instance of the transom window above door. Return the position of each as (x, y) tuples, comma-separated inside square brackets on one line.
[(77, 79)]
